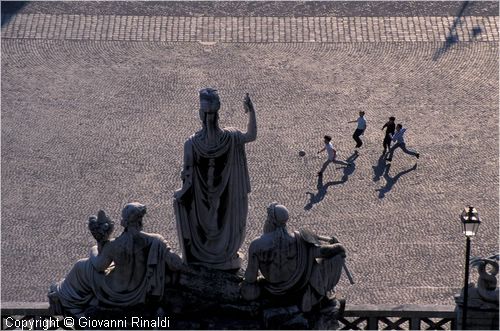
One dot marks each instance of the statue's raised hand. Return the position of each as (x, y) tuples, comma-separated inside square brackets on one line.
[(248, 104)]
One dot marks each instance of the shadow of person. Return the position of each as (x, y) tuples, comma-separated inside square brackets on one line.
[(390, 181), (378, 170), (315, 198), (348, 170)]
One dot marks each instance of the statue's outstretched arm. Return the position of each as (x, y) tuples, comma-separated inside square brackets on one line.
[(251, 133)]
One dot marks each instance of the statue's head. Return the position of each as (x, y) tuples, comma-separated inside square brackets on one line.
[(132, 215), (277, 216), (209, 103)]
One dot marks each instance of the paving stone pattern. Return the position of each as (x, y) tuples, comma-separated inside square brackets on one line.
[(90, 124), (249, 29), (257, 8)]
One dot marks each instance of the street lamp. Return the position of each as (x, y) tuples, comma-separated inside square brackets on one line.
[(470, 222)]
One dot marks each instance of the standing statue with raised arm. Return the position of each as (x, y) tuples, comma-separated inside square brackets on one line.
[(211, 207)]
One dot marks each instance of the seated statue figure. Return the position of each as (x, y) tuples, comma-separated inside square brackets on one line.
[(211, 207), (130, 270), (294, 266)]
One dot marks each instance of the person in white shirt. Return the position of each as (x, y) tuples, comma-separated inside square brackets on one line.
[(332, 153), (398, 137), (360, 129)]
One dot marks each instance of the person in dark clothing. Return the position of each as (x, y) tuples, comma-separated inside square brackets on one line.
[(398, 137), (391, 126)]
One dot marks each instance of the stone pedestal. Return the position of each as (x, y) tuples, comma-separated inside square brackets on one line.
[(478, 319), (481, 315), (209, 299)]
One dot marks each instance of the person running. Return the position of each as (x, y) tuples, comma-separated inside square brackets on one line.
[(360, 129), (398, 137), (332, 153), (391, 126)]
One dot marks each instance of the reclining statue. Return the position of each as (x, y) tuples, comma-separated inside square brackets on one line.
[(294, 265), (132, 269), (212, 205)]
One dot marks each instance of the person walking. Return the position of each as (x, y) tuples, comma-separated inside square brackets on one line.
[(390, 126), (360, 129), (398, 137), (332, 154)]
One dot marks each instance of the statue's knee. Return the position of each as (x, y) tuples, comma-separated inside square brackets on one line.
[(80, 264)]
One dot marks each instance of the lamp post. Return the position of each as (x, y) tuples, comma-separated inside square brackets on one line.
[(470, 222)]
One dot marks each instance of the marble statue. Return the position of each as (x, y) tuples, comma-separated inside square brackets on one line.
[(293, 265), (126, 271), (211, 207)]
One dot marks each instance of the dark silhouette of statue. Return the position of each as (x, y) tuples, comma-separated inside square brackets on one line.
[(130, 270), (294, 266), (211, 207)]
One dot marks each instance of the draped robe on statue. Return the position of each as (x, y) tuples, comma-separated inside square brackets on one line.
[(211, 217), (290, 265), (143, 261)]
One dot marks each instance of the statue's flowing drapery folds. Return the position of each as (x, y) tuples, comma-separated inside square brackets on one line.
[(292, 271), (131, 270), (291, 266), (211, 217), (85, 283)]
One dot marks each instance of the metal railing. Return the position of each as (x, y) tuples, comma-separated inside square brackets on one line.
[(398, 317)]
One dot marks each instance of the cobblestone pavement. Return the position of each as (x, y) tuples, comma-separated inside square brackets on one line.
[(257, 8), (249, 29), (96, 117)]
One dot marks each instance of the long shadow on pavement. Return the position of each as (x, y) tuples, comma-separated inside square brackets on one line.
[(378, 170), (452, 37), (390, 181), (10, 8), (315, 198)]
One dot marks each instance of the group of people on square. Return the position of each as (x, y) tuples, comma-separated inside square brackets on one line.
[(393, 133)]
